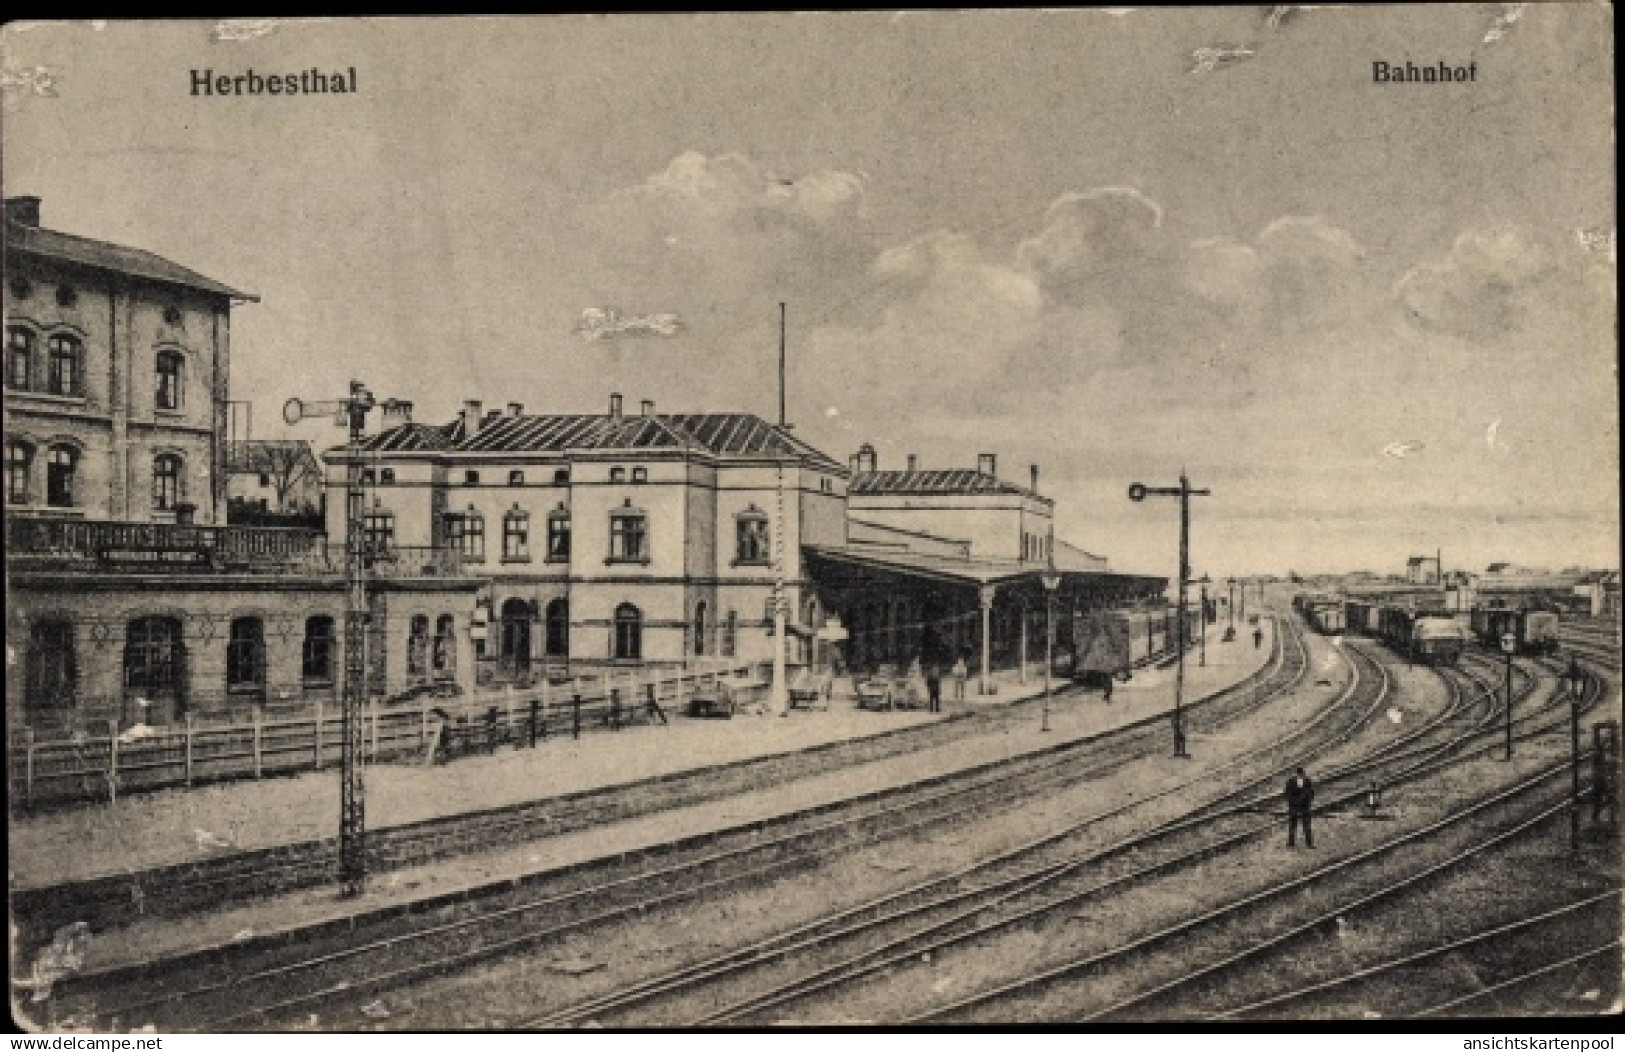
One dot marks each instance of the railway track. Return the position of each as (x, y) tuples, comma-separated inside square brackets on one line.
[(1484, 964), (854, 942), (248, 985), (217, 882), (846, 948)]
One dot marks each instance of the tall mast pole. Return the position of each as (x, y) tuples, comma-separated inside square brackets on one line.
[(779, 700)]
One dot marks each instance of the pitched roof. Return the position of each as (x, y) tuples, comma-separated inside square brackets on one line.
[(727, 435), (104, 255), (953, 481), (257, 455)]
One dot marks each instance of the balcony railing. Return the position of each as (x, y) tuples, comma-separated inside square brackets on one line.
[(43, 542), (404, 560)]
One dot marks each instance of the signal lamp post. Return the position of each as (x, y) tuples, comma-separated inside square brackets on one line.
[(1575, 680), (1051, 581), (1230, 607), (1201, 622), (1138, 492), (350, 413), (1509, 645)]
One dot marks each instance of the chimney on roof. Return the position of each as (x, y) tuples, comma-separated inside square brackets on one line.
[(615, 407), (866, 458), (914, 462), (852, 463), (471, 416), (648, 407), (987, 464), (397, 411), (1034, 486), (492, 416), (22, 210), (516, 409)]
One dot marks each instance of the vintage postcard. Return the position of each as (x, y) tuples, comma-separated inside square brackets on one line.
[(897, 519)]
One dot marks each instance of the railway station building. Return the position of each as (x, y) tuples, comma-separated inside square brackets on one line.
[(639, 539), (130, 597)]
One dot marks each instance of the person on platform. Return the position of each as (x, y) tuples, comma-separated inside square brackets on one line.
[(1300, 799), (960, 674), (1258, 638), (933, 686)]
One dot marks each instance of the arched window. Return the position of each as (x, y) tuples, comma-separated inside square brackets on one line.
[(515, 536), (628, 535), (51, 667), (750, 530), (445, 646), (417, 646), (558, 628), (558, 535), (19, 463), (166, 482), (628, 633), (154, 660), (67, 371), (317, 660), (61, 467), (19, 358), (245, 656), (514, 655), (169, 390), (699, 629)]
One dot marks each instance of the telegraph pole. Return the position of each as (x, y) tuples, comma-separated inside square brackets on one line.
[(350, 412), (779, 700), (1184, 492)]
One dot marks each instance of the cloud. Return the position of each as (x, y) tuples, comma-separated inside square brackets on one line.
[(608, 323), (1498, 284)]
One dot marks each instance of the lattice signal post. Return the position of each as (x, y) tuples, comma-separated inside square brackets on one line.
[(1138, 492), (350, 413)]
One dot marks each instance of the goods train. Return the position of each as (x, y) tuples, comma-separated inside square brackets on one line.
[(1534, 630), (1114, 642), (1434, 637), (1323, 612)]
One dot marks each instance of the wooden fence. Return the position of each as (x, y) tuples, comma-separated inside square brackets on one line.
[(99, 767)]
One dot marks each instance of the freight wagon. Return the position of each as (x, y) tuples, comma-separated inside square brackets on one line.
[(1432, 637), (1535, 631)]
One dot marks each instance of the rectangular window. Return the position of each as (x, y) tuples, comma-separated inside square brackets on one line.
[(515, 537), (558, 539), (379, 528), (318, 651), (471, 478), (169, 381), (471, 539), (628, 538), (51, 670), (730, 633), (753, 544)]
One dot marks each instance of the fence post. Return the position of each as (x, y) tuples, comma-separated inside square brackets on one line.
[(188, 750), (423, 727), (546, 689), (508, 728), (317, 725), (28, 766), (259, 722), (614, 708), (112, 761), (535, 710), (372, 703), (575, 715)]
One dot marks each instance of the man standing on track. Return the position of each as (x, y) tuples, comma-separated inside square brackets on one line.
[(1300, 799), (933, 686)]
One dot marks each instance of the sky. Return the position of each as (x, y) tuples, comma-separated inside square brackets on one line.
[(1115, 243)]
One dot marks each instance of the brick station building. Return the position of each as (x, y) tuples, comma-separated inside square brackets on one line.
[(129, 597)]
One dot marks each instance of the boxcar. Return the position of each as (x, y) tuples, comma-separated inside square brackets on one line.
[(1534, 630), (1360, 616)]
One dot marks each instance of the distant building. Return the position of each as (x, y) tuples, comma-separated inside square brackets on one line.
[(273, 476), (1422, 569)]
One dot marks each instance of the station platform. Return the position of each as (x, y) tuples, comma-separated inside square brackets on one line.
[(164, 828)]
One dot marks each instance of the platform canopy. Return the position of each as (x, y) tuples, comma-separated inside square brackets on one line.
[(853, 561)]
